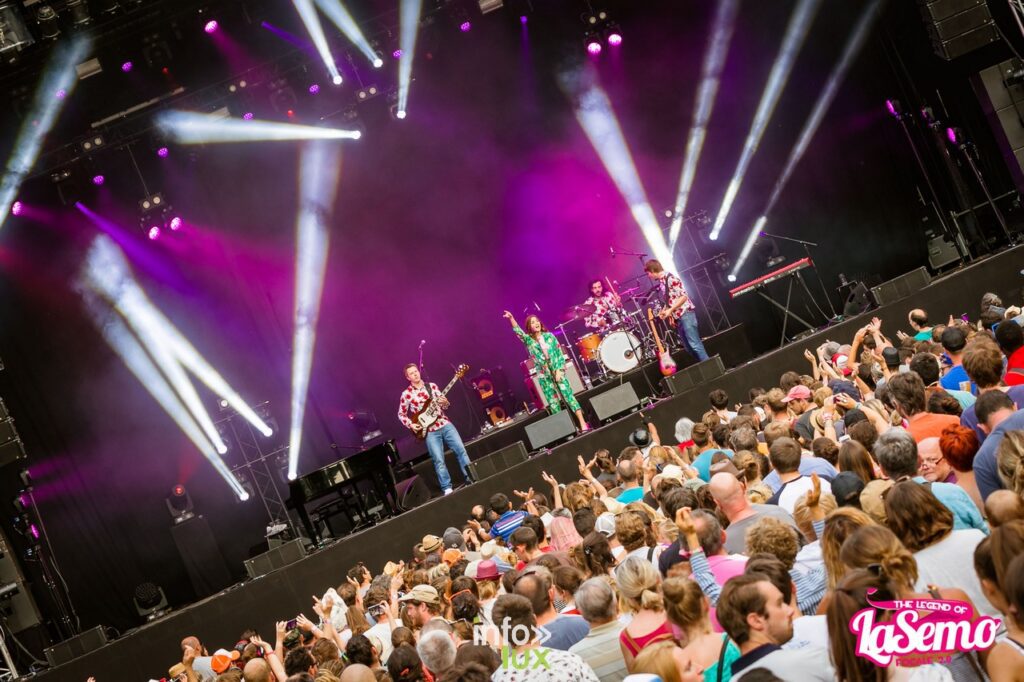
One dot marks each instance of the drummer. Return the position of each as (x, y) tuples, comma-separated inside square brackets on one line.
[(606, 307)]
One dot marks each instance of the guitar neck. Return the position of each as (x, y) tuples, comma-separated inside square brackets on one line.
[(450, 385), (654, 330)]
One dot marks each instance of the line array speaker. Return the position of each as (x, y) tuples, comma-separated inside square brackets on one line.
[(695, 375)]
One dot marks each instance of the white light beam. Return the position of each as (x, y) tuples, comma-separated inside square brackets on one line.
[(59, 79), (318, 182), (408, 27), (710, 78), (796, 33), (340, 17), (307, 12), (188, 127)]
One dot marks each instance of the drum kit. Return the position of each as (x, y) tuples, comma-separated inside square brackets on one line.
[(622, 345)]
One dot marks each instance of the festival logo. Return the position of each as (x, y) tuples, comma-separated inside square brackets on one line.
[(514, 637), (910, 638)]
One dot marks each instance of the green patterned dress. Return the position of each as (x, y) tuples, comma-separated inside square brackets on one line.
[(548, 358)]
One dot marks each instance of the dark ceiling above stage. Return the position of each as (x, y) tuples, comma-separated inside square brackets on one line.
[(486, 198)]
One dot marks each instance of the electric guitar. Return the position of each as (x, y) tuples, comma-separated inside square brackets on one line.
[(432, 411), (665, 361)]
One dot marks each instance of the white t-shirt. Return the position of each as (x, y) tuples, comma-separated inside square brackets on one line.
[(948, 563), (797, 488)]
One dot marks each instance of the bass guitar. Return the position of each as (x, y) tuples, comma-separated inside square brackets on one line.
[(665, 361), (432, 411)]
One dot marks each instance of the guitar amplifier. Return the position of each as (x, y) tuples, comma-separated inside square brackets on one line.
[(533, 382)]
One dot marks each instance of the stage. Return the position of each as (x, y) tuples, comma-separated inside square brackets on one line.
[(218, 620)]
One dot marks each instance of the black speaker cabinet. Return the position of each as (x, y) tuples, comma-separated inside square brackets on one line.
[(901, 287), (942, 252), (79, 645), (201, 556), (618, 400), (550, 429), (957, 27), (859, 301), (412, 492), (279, 557), (695, 375), (498, 461)]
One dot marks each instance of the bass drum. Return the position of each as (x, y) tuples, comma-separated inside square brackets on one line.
[(618, 351)]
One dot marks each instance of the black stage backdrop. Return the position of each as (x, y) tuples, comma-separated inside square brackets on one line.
[(488, 197)]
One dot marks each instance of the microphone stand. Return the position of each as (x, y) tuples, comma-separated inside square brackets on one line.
[(807, 246)]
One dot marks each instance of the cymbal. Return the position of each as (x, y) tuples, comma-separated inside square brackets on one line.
[(629, 292), (578, 312)]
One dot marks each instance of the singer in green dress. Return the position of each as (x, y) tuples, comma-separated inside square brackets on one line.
[(550, 361)]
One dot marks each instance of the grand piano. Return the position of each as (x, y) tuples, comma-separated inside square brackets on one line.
[(342, 486)]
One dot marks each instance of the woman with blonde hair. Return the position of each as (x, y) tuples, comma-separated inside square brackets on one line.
[(640, 588), (1010, 461), (840, 525), (687, 609), (749, 467), (663, 660)]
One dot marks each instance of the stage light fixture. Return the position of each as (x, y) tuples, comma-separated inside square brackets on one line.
[(163, 152), (58, 76), (98, 180), (179, 504), (46, 18), (314, 89), (17, 35), (211, 26), (126, 67), (796, 33), (310, 19), (153, 232), (339, 15), (366, 93), (108, 6), (955, 136), (319, 170), (592, 43), (597, 118), (854, 44), (715, 54), (79, 12), (613, 35), (187, 127), (150, 601), (408, 23), (487, 6), (152, 202), (894, 107), (17, 208)]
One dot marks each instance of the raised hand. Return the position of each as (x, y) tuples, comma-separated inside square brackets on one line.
[(303, 623), (685, 522), (583, 467), (189, 657), (814, 494), (549, 479), (281, 628), (507, 315), (527, 495)]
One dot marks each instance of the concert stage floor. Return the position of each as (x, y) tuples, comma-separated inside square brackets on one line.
[(147, 652)]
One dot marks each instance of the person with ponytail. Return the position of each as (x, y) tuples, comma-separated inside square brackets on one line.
[(878, 547), (687, 608), (594, 556), (850, 597), (640, 588), (404, 665)]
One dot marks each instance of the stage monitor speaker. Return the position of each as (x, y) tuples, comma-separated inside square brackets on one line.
[(859, 301), (550, 429), (79, 645), (279, 557), (901, 287), (533, 382), (617, 401), (18, 608), (957, 27), (412, 492), (941, 252), (695, 375), (498, 461)]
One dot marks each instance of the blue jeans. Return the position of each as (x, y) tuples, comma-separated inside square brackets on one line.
[(690, 336), (447, 436)]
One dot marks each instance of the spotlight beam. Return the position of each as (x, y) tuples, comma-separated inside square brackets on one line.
[(853, 46), (105, 274), (796, 33), (318, 182), (342, 18), (710, 78), (409, 24), (59, 76), (597, 118), (188, 127), (310, 19)]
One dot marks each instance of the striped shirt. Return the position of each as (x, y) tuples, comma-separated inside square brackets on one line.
[(507, 524), (600, 650)]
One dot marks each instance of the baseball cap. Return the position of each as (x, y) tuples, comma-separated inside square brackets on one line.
[(846, 487), (431, 543), (798, 392), (452, 538), (847, 387), (422, 593), (605, 524), (222, 659)]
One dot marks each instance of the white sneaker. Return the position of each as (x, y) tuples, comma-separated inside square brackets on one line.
[(447, 491)]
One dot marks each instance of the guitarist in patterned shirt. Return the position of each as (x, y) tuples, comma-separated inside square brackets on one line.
[(678, 308), (440, 434)]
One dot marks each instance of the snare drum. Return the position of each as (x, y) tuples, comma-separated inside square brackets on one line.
[(618, 351), (588, 346)]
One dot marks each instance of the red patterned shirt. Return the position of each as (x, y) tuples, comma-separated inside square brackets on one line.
[(413, 400), (599, 318), (675, 288)]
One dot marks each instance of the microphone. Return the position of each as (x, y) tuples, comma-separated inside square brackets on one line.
[(423, 342), (611, 250)]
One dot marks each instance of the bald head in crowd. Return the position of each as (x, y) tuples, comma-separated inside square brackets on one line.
[(728, 493), (256, 670), (627, 471), (357, 672)]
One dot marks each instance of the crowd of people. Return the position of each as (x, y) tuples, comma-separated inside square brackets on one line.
[(743, 547)]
